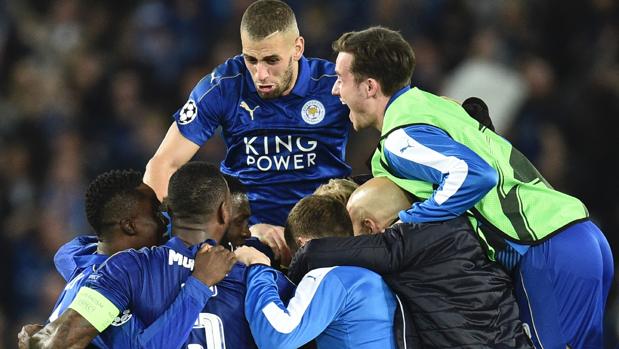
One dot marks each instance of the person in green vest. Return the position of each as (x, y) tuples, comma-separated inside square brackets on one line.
[(454, 165)]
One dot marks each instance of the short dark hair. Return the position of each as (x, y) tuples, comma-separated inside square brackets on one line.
[(110, 197), (265, 17), (317, 216), (195, 191), (381, 54)]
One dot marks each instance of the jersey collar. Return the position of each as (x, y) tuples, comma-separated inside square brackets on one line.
[(179, 246), (300, 86), (89, 256), (396, 95)]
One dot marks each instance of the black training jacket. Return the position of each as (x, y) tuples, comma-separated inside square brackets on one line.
[(453, 295)]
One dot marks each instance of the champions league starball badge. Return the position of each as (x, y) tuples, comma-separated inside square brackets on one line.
[(188, 112), (313, 112), (121, 319)]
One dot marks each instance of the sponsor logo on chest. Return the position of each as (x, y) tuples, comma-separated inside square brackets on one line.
[(279, 153)]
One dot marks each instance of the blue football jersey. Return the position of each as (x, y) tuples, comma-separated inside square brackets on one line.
[(342, 307), (76, 261), (281, 149), (147, 282)]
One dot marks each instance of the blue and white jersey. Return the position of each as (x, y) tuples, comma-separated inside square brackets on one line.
[(342, 307), (150, 282), (281, 149), (461, 176), (76, 261)]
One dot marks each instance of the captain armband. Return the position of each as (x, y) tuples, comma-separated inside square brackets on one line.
[(95, 308)]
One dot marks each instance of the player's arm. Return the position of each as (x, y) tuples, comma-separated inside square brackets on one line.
[(194, 124), (72, 329), (382, 253), (172, 328), (273, 237), (316, 303), (26, 332), (427, 153), (99, 302), (173, 152)]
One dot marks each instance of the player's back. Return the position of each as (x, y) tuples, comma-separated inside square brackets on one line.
[(148, 281), (366, 317)]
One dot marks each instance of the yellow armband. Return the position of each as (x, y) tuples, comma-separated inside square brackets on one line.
[(95, 308)]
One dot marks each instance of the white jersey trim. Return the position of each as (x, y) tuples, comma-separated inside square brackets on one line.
[(286, 320), (217, 84), (400, 144)]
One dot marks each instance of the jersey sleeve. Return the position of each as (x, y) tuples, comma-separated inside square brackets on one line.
[(172, 328), (108, 290), (118, 279), (118, 283), (427, 153), (317, 302), (198, 119), (382, 253)]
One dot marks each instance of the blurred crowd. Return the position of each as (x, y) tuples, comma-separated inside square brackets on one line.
[(90, 86)]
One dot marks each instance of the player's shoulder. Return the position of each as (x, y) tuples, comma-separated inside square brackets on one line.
[(321, 69), (226, 77), (64, 259), (320, 65), (132, 260), (78, 246), (350, 276)]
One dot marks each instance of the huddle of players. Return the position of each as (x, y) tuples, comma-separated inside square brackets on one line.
[(328, 301), (438, 288)]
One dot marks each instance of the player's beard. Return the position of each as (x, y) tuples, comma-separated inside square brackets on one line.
[(284, 84)]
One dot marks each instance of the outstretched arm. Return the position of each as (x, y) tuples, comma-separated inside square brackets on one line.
[(174, 151), (382, 253), (427, 153)]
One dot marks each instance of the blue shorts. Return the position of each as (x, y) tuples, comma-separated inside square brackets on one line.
[(562, 286)]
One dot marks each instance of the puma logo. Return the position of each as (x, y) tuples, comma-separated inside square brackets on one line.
[(408, 145), (249, 110)]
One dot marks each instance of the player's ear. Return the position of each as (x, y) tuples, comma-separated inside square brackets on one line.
[(301, 241), (372, 87), (223, 213), (299, 47), (367, 226), (127, 226)]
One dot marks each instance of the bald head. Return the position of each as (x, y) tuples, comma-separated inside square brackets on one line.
[(375, 205)]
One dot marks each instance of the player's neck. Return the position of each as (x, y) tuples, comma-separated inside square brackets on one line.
[(107, 249), (380, 110), (192, 235)]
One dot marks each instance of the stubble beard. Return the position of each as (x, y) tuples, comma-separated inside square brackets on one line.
[(283, 86)]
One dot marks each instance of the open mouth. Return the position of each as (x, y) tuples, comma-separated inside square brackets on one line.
[(265, 88), (341, 100)]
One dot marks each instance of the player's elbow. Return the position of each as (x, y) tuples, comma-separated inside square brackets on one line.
[(157, 163), (487, 179)]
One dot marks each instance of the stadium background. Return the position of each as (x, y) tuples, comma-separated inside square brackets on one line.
[(90, 86)]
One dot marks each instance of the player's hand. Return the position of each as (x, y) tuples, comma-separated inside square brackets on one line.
[(249, 255), (273, 236), (23, 337), (212, 264)]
